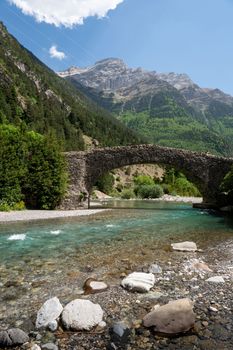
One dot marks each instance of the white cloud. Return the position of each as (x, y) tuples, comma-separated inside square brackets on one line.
[(65, 12), (54, 53)]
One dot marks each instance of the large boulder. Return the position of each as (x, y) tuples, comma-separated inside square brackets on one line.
[(173, 318), (48, 313), (81, 315), (184, 246), (13, 337), (139, 282)]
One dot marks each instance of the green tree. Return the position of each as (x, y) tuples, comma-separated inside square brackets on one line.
[(32, 169), (105, 183)]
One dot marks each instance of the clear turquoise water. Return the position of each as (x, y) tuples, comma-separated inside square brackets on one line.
[(63, 237)]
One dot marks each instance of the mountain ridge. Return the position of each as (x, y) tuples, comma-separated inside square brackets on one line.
[(156, 104), (32, 95)]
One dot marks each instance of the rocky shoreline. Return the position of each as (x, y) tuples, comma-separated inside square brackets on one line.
[(30, 215), (204, 277)]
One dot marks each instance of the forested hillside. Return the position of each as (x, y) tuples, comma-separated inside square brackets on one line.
[(33, 96)]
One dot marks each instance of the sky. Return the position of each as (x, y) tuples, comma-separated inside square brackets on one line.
[(182, 36)]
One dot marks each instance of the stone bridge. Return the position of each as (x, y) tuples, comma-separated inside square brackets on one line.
[(204, 170)]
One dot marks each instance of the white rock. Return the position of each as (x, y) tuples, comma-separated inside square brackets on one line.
[(53, 325), (35, 347), (155, 268), (49, 312), (81, 315), (211, 308), (216, 279), (139, 282), (184, 246), (102, 324)]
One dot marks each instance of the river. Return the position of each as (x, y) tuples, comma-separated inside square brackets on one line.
[(54, 257)]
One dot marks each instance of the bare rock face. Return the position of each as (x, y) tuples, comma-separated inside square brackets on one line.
[(92, 286), (49, 312), (173, 318), (184, 246), (139, 282), (13, 337), (81, 315)]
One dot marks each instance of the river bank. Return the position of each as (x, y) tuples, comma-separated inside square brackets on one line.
[(54, 259), (24, 294), (165, 198), (29, 215)]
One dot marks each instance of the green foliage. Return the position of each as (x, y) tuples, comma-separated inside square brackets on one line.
[(37, 97), (143, 180), (45, 179), (105, 183), (175, 183), (127, 193), (150, 191), (227, 184), (182, 131), (32, 170), (185, 188)]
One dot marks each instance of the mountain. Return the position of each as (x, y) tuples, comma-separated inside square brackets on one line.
[(33, 96), (169, 109)]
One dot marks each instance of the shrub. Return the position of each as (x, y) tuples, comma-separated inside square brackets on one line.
[(227, 184), (185, 188), (105, 183), (127, 193), (150, 191), (143, 180)]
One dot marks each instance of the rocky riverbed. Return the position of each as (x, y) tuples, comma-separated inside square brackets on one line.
[(177, 275)]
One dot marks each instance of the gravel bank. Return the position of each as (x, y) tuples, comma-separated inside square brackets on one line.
[(28, 215)]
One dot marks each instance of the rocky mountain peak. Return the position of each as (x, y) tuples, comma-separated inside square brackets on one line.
[(179, 81)]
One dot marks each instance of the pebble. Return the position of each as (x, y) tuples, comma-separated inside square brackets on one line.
[(216, 279), (184, 246), (50, 346)]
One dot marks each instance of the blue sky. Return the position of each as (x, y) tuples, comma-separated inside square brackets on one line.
[(183, 36)]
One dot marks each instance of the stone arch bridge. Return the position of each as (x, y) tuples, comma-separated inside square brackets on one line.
[(204, 170)]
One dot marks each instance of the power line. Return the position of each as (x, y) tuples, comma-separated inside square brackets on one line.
[(85, 51)]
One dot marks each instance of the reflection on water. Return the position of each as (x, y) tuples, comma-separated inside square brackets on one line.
[(155, 222)]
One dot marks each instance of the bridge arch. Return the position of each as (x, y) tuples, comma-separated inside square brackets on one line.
[(204, 170)]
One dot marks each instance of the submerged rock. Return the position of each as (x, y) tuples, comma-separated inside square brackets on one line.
[(173, 318), (216, 279), (92, 286), (13, 337), (155, 268), (81, 315), (139, 282), (184, 246), (49, 312)]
